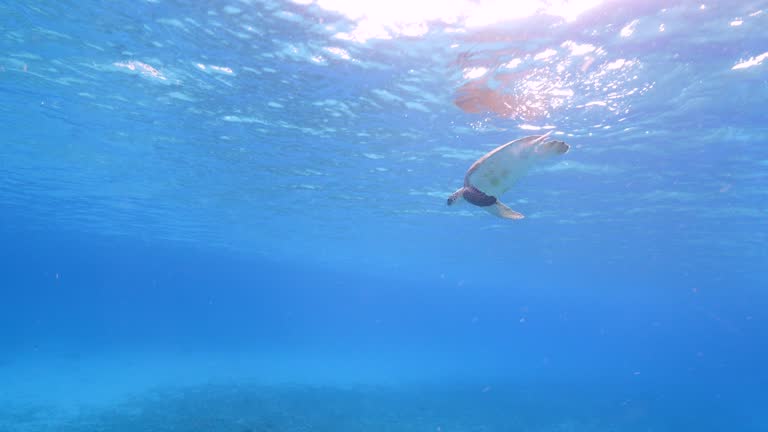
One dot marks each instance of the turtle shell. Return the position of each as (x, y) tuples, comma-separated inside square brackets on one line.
[(475, 196)]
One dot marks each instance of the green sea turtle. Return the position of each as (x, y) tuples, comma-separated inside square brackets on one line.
[(497, 171)]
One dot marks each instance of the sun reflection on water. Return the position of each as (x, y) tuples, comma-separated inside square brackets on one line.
[(376, 19)]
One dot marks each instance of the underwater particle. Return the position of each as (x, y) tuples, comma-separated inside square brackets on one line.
[(498, 170)]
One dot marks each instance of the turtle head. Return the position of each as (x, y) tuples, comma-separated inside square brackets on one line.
[(456, 197), (552, 147)]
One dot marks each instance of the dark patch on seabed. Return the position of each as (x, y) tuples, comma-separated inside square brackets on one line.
[(435, 408)]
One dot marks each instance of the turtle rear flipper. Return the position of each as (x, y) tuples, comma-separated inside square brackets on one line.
[(503, 211)]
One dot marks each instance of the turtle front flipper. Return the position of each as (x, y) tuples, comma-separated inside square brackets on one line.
[(503, 211)]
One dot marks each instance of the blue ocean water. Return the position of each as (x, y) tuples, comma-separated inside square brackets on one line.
[(231, 216)]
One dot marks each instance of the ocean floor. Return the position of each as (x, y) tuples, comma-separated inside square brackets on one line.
[(243, 394), (252, 408)]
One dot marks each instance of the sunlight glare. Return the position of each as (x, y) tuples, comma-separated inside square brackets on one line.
[(378, 19)]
